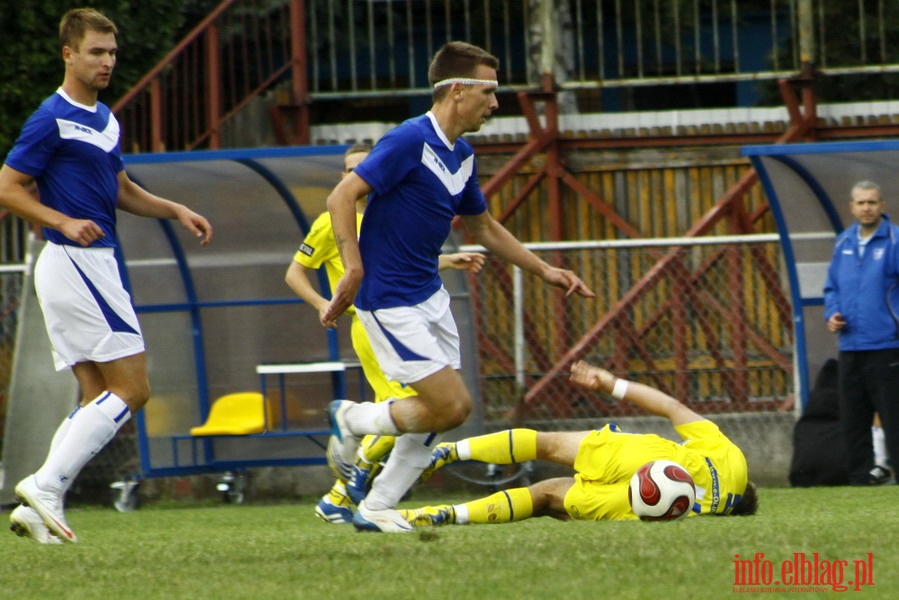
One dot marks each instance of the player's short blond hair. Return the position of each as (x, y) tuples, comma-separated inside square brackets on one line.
[(357, 148), (78, 21)]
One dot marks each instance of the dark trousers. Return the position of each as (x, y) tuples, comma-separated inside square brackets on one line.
[(869, 382)]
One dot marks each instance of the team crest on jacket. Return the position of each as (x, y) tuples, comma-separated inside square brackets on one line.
[(878, 253)]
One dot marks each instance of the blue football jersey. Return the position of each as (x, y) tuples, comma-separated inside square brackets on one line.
[(73, 153), (420, 182)]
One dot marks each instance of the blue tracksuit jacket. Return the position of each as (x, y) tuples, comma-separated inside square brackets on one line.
[(862, 289)]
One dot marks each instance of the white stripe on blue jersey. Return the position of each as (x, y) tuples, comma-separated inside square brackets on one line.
[(73, 152), (420, 182)]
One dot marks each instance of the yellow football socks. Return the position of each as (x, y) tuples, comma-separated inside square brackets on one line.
[(502, 507), (337, 494), (500, 448)]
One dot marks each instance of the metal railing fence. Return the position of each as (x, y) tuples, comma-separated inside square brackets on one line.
[(299, 53)]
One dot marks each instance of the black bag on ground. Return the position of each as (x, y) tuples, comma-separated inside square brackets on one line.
[(819, 453)]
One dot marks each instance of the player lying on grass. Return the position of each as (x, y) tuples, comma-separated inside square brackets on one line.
[(604, 461)]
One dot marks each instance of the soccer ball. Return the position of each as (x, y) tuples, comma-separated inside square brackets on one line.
[(661, 490)]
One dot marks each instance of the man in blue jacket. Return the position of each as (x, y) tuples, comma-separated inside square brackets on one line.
[(861, 304)]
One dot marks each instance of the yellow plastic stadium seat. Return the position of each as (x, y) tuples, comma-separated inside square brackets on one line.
[(241, 413)]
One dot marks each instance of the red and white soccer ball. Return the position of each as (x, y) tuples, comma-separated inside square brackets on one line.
[(661, 490)]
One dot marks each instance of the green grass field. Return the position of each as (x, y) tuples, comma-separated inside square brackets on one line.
[(261, 551)]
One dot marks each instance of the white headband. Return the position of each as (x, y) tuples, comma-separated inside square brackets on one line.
[(465, 81)]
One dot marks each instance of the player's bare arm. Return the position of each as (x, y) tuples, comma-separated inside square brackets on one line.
[(593, 378), (342, 207), (16, 197), (138, 201), (649, 399), (472, 262), (488, 232), (297, 278)]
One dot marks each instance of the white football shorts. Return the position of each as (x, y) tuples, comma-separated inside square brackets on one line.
[(412, 342), (88, 312)]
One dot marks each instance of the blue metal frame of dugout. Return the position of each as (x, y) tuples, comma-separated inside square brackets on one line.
[(211, 315)]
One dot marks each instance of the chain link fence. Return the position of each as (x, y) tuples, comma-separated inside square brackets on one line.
[(704, 319), (13, 233), (10, 292)]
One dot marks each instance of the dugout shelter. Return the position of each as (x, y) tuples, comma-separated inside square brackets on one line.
[(212, 316), (808, 188)]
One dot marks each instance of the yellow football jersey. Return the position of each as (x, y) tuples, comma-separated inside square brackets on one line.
[(319, 248), (608, 458)]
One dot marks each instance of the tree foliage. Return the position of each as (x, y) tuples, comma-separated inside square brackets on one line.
[(33, 68)]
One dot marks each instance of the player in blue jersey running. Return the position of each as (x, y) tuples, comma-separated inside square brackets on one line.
[(70, 148), (319, 249), (419, 176)]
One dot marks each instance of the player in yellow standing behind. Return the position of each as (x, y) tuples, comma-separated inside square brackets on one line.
[(317, 249)]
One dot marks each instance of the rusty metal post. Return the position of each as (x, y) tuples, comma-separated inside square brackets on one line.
[(214, 87), (548, 38), (299, 83), (807, 49), (157, 144)]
